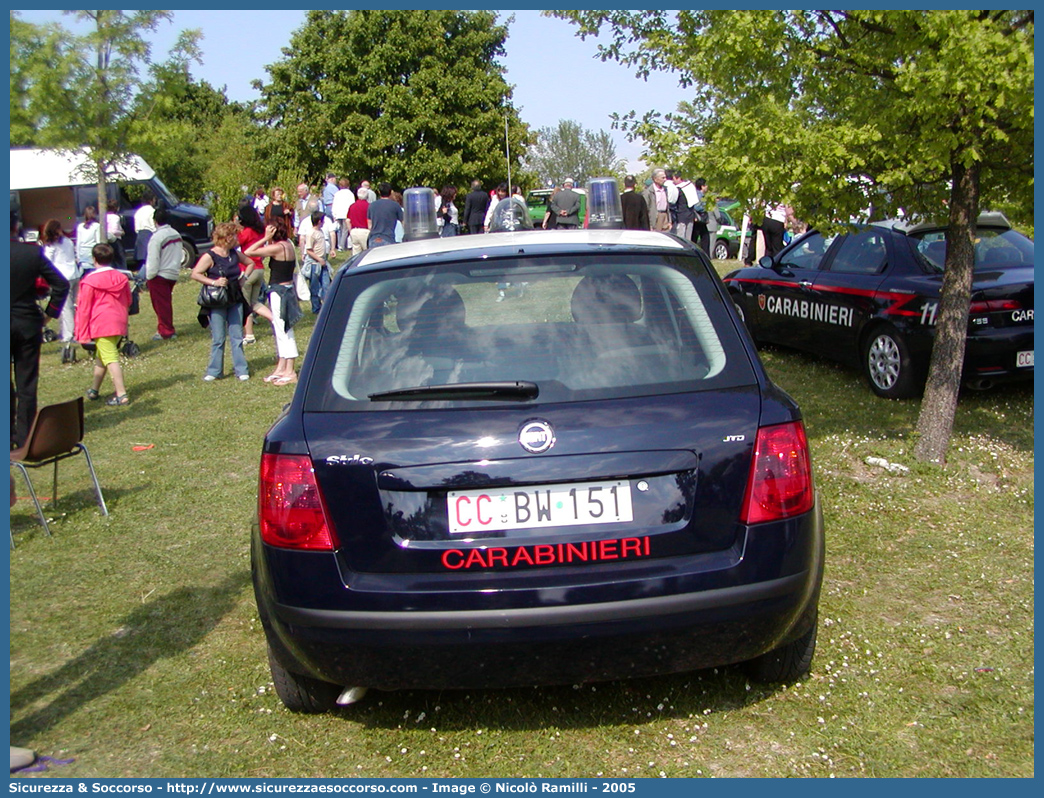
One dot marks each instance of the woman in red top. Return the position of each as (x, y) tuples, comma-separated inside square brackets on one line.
[(252, 230)]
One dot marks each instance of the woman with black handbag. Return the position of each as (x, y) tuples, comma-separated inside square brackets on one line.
[(221, 299)]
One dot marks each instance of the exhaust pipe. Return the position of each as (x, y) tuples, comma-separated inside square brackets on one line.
[(350, 695), (980, 384)]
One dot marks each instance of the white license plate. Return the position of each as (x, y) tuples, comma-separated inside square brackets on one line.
[(1024, 359), (541, 506)]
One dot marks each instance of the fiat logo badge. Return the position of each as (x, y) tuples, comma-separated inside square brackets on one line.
[(536, 436)]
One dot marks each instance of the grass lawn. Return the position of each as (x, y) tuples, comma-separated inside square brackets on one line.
[(136, 648)]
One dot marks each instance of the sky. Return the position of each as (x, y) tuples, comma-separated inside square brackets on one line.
[(539, 51)]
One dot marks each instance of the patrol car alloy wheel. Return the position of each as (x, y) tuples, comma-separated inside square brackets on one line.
[(888, 365), (721, 249)]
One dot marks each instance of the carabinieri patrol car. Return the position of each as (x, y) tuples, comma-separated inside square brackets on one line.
[(871, 299), (590, 479)]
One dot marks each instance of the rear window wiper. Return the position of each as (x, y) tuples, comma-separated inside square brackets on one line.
[(504, 390)]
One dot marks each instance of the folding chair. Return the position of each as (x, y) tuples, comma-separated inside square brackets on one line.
[(56, 433)]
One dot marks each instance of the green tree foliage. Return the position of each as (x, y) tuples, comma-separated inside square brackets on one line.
[(411, 97), (175, 124), (841, 112), (33, 52), (78, 91), (232, 164), (571, 150)]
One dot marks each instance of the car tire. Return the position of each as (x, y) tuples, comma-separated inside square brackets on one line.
[(721, 249), (789, 662), (188, 255), (302, 693), (887, 363)]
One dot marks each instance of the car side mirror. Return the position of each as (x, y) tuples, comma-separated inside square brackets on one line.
[(780, 268)]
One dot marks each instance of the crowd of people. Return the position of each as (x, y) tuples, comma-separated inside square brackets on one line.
[(671, 203), (89, 288), (83, 280)]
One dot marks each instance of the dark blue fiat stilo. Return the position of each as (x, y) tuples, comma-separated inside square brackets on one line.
[(529, 458)]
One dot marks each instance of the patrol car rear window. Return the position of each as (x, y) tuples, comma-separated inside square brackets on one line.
[(579, 328), (993, 249)]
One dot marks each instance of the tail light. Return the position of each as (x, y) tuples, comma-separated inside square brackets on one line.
[(994, 305), (289, 505), (780, 482)]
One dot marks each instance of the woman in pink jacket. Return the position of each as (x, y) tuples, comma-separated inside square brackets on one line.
[(101, 317)]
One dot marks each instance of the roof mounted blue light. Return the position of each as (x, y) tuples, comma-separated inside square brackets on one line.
[(604, 210), (509, 215), (418, 216)]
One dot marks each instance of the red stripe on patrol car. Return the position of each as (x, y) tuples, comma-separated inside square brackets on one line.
[(897, 299)]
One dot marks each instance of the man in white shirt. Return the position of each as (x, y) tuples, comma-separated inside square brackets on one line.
[(342, 201), (684, 207), (144, 227)]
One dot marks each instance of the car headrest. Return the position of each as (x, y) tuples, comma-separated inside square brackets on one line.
[(430, 310), (605, 299), (936, 250)]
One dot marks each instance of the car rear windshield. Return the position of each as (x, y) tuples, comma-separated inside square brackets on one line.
[(533, 329), (993, 249)]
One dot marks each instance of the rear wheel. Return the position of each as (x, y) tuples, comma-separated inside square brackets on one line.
[(721, 249), (302, 693), (887, 364), (788, 662)]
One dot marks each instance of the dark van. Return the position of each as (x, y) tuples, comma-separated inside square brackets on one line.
[(54, 184)]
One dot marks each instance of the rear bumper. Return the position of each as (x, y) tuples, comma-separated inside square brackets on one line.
[(635, 610), (711, 618), (992, 354), (569, 652)]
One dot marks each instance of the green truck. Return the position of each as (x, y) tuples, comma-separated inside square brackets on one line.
[(726, 242), (538, 199)]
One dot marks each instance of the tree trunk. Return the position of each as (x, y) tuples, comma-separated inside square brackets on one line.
[(939, 406), (103, 198)]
